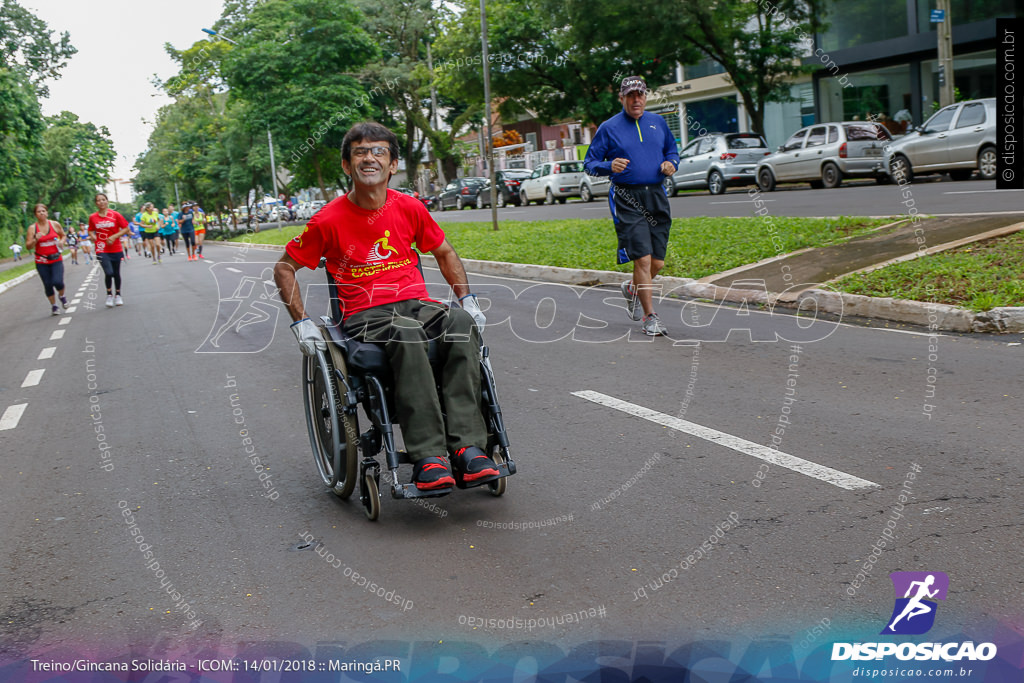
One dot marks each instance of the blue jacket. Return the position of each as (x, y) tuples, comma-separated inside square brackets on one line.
[(646, 142)]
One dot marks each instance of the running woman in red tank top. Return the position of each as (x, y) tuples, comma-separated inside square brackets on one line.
[(47, 238)]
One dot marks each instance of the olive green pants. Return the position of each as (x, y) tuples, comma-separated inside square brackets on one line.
[(405, 329)]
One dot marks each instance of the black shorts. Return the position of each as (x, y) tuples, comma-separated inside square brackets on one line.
[(642, 221), (150, 235)]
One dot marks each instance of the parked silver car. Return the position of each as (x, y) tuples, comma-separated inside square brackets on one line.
[(553, 180), (958, 140), (717, 161), (825, 153), (594, 186)]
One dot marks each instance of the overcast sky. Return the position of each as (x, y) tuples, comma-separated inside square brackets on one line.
[(120, 48)]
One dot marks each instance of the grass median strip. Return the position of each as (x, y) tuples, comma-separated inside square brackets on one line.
[(978, 276), (697, 246), (14, 272)]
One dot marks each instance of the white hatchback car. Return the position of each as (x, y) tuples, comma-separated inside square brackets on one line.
[(553, 180)]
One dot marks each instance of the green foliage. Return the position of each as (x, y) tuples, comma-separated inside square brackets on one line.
[(74, 160), (28, 46), (979, 276), (697, 246), (558, 59)]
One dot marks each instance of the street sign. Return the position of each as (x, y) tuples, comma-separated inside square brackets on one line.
[(942, 75), (938, 16)]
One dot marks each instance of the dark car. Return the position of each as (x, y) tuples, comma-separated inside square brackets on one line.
[(507, 182), (461, 192), (415, 195)]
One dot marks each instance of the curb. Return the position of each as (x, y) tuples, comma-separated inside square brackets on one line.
[(933, 316), (24, 277), (936, 317)]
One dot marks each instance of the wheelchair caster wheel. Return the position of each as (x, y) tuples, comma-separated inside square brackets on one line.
[(371, 506), (498, 486)]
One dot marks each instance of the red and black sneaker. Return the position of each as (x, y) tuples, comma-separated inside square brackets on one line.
[(472, 464), (432, 473)]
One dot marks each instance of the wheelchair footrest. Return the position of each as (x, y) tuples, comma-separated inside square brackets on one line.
[(503, 471), (410, 491)]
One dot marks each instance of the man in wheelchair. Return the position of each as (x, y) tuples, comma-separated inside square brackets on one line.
[(367, 237)]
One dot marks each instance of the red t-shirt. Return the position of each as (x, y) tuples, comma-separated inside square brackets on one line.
[(370, 253), (105, 226)]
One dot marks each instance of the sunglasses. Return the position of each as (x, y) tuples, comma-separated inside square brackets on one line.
[(379, 152)]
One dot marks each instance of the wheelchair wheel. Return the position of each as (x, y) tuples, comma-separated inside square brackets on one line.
[(332, 432), (498, 486), (371, 506)]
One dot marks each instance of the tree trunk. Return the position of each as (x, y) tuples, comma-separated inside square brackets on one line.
[(320, 175)]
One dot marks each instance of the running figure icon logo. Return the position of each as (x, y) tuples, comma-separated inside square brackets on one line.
[(381, 250), (916, 592)]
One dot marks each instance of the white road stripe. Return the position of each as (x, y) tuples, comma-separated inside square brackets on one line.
[(11, 416), (47, 353), (742, 201), (980, 191), (71, 309), (32, 378), (234, 270), (57, 334), (791, 462), (76, 301), (64, 321)]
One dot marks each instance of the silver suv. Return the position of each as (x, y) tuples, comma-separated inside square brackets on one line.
[(717, 161), (825, 153), (958, 140)]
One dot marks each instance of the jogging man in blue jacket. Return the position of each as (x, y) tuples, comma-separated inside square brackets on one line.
[(637, 150)]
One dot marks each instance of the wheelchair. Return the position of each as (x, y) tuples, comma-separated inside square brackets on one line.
[(351, 374)]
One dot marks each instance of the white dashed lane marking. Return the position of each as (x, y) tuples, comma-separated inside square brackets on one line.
[(32, 378), (57, 334), (11, 416), (47, 353), (64, 321), (790, 462)]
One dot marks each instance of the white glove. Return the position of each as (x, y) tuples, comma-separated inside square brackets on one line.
[(308, 336), (471, 306)]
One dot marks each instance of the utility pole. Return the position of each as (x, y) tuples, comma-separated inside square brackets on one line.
[(944, 33), (273, 175), (489, 147)]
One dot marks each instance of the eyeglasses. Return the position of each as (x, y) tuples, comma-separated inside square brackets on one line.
[(379, 152)]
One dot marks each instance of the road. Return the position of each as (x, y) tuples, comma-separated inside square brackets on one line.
[(931, 195), (632, 453)]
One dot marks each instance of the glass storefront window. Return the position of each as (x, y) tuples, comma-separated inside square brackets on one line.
[(965, 11), (858, 22), (715, 116), (708, 67), (877, 95), (974, 75)]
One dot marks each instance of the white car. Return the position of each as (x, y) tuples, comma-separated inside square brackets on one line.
[(594, 186), (553, 180)]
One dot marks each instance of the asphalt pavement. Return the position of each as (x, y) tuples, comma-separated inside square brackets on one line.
[(729, 489)]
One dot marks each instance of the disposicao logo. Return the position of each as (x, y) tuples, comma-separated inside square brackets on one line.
[(916, 592), (913, 614)]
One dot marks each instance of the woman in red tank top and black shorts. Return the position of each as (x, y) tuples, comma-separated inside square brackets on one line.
[(47, 238)]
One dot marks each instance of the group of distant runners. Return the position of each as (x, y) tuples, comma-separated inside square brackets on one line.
[(110, 234)]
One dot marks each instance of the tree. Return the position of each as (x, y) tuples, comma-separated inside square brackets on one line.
[(29, 48), (558, 59), (74, 159), (295, 65), (21, 128), (759, 44)]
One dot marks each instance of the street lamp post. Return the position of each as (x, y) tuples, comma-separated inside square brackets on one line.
[(270, 138)]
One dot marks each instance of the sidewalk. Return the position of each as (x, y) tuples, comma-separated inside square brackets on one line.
[(817, 266)]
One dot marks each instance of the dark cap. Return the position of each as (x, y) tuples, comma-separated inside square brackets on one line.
[(631, 83)]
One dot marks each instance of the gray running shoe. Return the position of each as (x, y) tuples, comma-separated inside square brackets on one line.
[(633, 308), (653, 327)]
